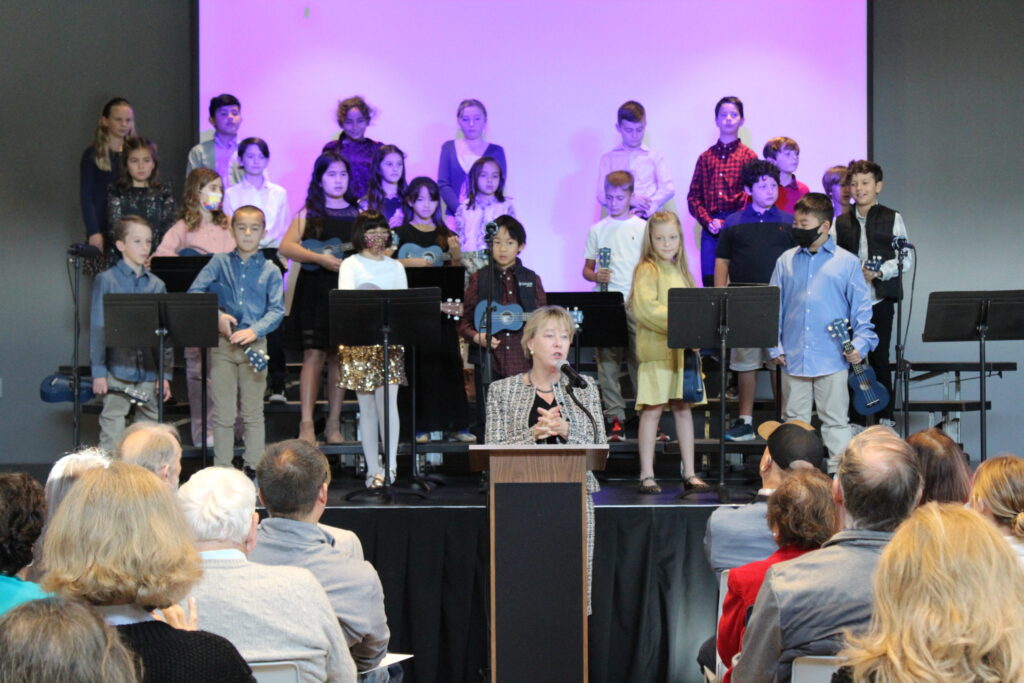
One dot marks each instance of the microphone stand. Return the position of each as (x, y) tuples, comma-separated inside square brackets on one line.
[(76, 421), (593, 422), (491, 229), (902, 386)]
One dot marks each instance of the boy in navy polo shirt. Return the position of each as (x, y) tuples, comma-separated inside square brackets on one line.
[(716, 190), (785, 153), (748, 247), (249, 292)]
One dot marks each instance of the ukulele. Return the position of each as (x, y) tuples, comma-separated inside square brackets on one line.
[(869, 396), (135, 397), (604, 260), (510, 317), (433, 255), (333, 247)]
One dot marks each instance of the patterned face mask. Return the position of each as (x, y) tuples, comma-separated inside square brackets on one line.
[(376, 242)]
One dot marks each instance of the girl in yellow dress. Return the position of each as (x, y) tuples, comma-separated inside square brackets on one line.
[(662, 267)]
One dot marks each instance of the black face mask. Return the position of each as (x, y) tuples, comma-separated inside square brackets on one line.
[(805, 238)]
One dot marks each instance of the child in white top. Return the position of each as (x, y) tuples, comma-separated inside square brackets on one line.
[(362, 367), (485, 202)]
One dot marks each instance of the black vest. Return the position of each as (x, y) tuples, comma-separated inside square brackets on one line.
[(526, 293), (878, 227)]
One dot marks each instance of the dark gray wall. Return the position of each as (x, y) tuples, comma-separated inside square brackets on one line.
[(947, 104), (948, 101), (62, 61)]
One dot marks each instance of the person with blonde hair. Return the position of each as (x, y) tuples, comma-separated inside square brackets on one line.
[(948, 605), (119, 541), (539, 407), (998, 494), (60, 639)]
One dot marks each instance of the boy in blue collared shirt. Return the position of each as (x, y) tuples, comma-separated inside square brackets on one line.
[(819, 283), (117, 370), (748, 247), (249, 292)]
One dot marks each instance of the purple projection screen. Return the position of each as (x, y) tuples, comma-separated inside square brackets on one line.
[(552, 74)]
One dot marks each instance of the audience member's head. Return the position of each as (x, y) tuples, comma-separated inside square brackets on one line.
[(947, 604), (154, 446), (801, 513), (878, 481), (120, 538), (22, 513), (998, 493), (293, 476), (946, 479), (220, 507), (59, 639), (789, 446)]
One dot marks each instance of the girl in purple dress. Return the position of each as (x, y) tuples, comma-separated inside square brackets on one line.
[(459, 155), (354, 115)]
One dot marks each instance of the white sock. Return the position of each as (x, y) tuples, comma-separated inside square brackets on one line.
[(747, 419)]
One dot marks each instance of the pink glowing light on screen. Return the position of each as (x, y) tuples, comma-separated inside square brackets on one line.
[(552, 74)]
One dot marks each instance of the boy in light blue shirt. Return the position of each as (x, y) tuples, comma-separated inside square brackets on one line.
[(249, 292), (819, 283)]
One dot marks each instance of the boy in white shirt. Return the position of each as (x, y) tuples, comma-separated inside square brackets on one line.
[(653, 184), (622, 233)]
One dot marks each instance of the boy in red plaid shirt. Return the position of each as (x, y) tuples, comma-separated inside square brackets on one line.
[(717, 186)]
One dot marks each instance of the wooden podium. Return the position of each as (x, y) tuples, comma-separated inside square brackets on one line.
[(538, 521)]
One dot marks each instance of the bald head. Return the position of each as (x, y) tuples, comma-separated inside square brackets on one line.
[(879, 480), (154, 446)]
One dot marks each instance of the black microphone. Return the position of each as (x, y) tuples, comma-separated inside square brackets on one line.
[(84, 250), (575, 379), (901, 243), (490, 230)]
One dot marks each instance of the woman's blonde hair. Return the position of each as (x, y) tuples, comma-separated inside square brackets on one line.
[(999, 486), (120, 538), (100, 151), (649, 257), (948, 597), (191, 206), (541, 317), (59, 639)]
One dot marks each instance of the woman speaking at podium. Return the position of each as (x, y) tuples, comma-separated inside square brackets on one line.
[(538, 406)]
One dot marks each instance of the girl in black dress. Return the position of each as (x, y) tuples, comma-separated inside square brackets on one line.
[(328, 214)]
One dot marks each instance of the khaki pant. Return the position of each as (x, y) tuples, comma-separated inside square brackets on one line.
[(237, 389), (828, 394), (117, 406), (609, 371)]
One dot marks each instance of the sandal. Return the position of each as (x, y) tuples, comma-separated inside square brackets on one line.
[(307, 432), (332, 432), (695, 483), (649, 488)]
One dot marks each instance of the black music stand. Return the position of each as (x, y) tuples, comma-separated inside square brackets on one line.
[(976, 316), (163, 321), (741, 317), (370, 317), (451, 281), (604, 319)]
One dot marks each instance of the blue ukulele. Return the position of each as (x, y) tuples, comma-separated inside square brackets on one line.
[(510, 318), (604, 261), (334, 246), (869, 396), (433, 255)]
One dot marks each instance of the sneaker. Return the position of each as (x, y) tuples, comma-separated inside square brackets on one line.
[(465, 436), (615, 431), (740, 431), (278, 397), (662, 436), (886, 422)]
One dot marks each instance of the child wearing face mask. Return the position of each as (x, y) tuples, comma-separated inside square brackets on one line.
[(362, 367), (201, 229)]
